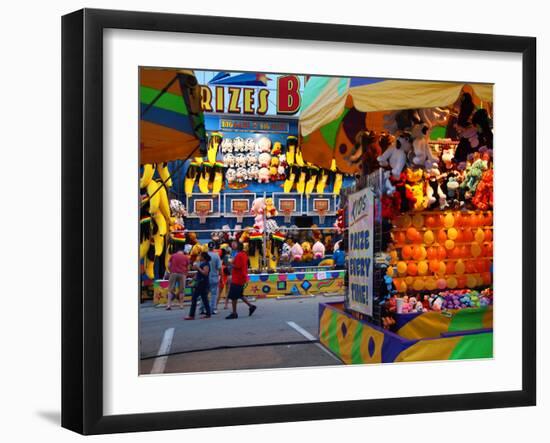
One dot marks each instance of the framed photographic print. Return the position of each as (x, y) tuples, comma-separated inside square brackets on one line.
[(271, 221)]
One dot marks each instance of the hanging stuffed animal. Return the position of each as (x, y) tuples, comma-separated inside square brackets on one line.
[(231, 175), (338, 178), (312, 173), (253, 172), (213, 146), (291, 146), (483, 198), (264, 145), (147, 176), (193, 171), (204, 178), (415, 185), (368, 140), (251, 159), (423, 156), (238, 145), (395, 157), (229, 160), (263, 175), (289, 182), (227, 145), (473, 176), (249, 145)]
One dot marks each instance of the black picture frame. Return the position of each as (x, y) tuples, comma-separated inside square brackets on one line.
[(82, 230)]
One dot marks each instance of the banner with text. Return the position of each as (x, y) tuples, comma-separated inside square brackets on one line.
[(360, 251)]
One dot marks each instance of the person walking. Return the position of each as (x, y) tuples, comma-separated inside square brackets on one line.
[(178, 267), (214, 279), (225, 274), (201, 286), (239, 277)]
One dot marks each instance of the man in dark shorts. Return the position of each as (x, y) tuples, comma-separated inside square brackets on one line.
[(239, 277)]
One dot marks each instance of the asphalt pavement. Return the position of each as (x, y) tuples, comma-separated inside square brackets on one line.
[(280, 334)]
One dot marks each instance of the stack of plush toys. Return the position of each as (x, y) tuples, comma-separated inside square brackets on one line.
[(439, 196)]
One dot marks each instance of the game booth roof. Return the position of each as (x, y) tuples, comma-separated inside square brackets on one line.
[(334, 109), (171, 118)]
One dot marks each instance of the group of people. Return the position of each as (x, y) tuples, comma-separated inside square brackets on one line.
[(215, 272)]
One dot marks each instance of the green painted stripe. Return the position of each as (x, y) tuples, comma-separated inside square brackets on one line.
[(473, 346), (333, 334), (356, 357), (168, 101), (467, 319)]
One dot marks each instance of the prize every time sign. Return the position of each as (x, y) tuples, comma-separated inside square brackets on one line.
[(253, 100), (360, 251)]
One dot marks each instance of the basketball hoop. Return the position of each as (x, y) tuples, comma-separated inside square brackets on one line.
[(288, 216), (202, 216), (321, 213), (239, 215)]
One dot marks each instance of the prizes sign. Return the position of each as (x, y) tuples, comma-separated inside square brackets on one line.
[(360, 251)]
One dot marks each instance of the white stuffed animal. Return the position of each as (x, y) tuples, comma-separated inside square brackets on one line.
[(263, 175), (227, 145), (253, 172), (231, 175), (396, 155), (249, 145), (264, 159), (240, 160), (229, 160), (238, 144), (242, 175), (389, 188), (264, 144), (423, 156), (251, 158)]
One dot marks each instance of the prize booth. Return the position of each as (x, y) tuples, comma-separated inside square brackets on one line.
[(418, 221), (251, 184)]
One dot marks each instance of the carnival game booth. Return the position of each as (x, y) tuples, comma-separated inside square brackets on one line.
[(419, 223), (251, 184)]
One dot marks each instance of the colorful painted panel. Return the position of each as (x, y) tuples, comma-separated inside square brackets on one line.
[(295, 283), (357, 342)]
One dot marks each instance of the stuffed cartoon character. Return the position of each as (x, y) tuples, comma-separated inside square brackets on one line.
[(435, 195), (249, 145), (231, 175), (447, 158), (483, 198), (251, 159), (285, 253), (229, 160), (473, 177), (270, 209), (318, 250), (227, 145), (307, 252), (277, 149), (296, 251), (415, 185), (368, 140), (395, 157), (240, 160), (241, 175), (263, 175), (452, 193), (264, 160), (423, 156), (273, 168), (258, 210), (238, 144), (264, 145), (253, 172)]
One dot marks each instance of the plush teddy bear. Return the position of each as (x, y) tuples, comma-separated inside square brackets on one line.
[(264, 160), (263, 175), (423, 156), (227, 145), (270, 209), (277, 149), (368, 140), (395, 156), (307, 253)]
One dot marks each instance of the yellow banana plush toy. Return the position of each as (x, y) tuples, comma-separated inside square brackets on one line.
[(190, 177), (338, 177), (301, 185), (204, 179), (312, 172), (289, 182), (322, 182), (291, 144), (213, 146), (164, 173), (147, 176)]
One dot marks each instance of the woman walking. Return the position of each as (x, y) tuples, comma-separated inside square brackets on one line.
[(201, 286)]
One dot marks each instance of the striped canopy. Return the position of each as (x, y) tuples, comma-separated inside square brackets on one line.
[(171, 119), (328, 101)]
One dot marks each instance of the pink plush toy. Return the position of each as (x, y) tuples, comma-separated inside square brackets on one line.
[(263, 175), (296, 252), (258, 209), (318, 249)]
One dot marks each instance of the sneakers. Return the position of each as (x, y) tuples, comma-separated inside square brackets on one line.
[(204, 316), (168, 308), (232, 316), (251, 310), (214, 312), (189, 318)]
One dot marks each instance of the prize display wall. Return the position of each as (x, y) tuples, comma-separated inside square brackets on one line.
[(252, 186), (434, 300)]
